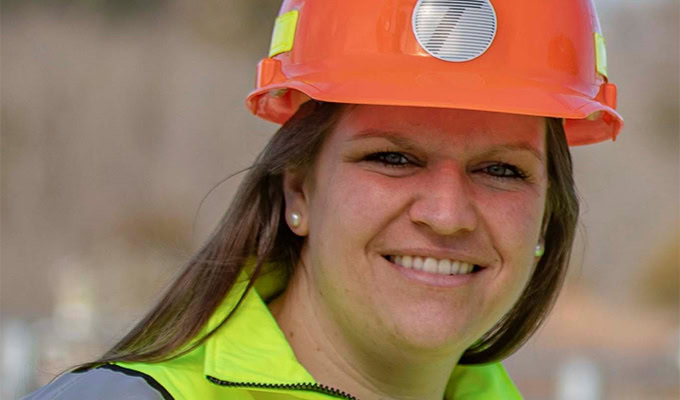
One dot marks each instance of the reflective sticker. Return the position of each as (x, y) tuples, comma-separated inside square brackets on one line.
[(284, 33), (454, 30), (600, 54)]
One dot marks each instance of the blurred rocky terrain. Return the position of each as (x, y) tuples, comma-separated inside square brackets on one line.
[(119, 117)]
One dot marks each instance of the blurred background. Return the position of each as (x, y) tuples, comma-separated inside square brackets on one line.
[(119, 116)]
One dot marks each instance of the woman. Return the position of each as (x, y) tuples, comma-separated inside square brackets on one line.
[(409, 225)]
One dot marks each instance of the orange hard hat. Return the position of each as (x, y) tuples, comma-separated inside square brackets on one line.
[(533, 57)]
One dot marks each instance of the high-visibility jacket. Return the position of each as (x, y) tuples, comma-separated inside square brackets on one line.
[(249, 358)]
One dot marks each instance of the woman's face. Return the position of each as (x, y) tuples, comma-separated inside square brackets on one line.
[(434, 189)]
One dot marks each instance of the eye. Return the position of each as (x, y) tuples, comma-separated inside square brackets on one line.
[(389, 158), (502, 170)]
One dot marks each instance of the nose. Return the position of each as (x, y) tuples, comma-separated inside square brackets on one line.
[(444, 202)]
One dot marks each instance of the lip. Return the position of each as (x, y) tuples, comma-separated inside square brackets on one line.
[(434, 280)]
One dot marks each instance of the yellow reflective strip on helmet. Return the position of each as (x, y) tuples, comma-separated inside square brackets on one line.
[(284, 33), (600, 54)]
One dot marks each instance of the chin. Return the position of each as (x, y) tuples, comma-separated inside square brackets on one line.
[(428, 329)]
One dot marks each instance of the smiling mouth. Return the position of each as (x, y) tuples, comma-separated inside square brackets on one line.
[(433, 265)]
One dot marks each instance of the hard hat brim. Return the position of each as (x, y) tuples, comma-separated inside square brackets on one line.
[(586, 120)]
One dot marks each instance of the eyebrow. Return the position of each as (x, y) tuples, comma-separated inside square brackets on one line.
[(404, 142), (519, 146), (397, 138)]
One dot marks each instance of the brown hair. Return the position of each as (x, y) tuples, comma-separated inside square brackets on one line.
[(253, 226)]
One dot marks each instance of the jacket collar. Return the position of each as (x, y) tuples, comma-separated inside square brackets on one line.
[(251, 348)]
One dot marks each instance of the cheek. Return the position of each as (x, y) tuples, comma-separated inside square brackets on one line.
[(350, 208), (514, 223), (353, 205), (514, 219)]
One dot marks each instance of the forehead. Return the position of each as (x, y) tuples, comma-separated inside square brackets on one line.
[(440, 126)]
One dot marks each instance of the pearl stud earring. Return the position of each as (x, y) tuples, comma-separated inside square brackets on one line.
[(295, 219), (539, 250)]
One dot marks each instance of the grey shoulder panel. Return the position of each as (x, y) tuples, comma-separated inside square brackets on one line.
[(109, 382)]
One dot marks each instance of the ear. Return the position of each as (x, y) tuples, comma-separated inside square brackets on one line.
[(296, 201)]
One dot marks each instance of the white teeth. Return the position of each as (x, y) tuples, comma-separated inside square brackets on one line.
[(455, 267), (444, 267), (432, 265), (465, 268)]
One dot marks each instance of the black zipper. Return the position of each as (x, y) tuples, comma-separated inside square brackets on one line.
[(312, 387)]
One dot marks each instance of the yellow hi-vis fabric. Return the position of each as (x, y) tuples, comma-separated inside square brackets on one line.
[(249, 358)]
